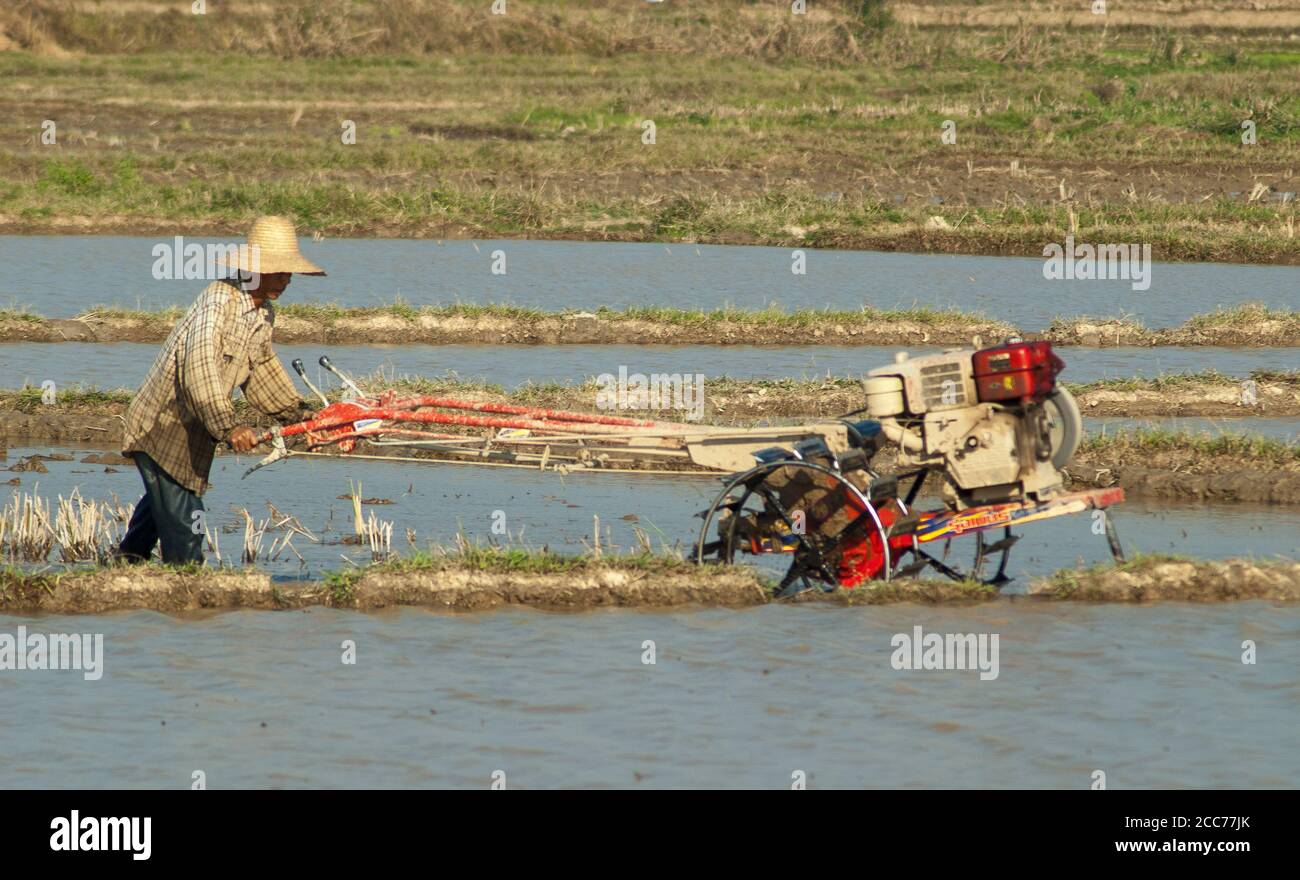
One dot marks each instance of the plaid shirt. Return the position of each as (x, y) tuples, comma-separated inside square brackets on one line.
[(183, 409)]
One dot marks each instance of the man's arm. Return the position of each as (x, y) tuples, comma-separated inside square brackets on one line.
[(270, 390), (199, 368)]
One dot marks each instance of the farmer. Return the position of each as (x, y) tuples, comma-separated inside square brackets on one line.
[(183, 409)]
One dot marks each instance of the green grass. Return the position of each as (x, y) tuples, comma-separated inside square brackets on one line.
[(1243, 316), (524, 560), (799, 319), (768, 317), (19, 314), (15, 581), (341, 585), (31, 399), (1183, 381), (489, 559), (1170, 381), (1249, 448), (1280, 377), (334, 311)]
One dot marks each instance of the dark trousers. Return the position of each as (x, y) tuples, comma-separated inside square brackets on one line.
[(166, 514)]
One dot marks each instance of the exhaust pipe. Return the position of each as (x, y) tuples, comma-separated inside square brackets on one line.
[(901, 436)]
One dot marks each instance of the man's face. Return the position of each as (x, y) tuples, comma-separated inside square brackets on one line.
[(271, 284)]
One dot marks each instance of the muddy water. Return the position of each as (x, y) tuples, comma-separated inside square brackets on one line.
[(1153, 696), (59, 276), (125, 364), (437, 501)]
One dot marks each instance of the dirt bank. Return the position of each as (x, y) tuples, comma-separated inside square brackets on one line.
[(591, 586), (1192, 398), (730, 401), (1247, 326), (1177, 580), (25, 429), (1189, 473), (603, 584), (445, 327), (1241, 326)]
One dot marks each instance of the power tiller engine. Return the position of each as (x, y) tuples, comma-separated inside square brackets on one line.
[(992, 424), (992, 421)]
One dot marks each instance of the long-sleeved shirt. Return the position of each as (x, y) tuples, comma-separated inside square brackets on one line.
[(184, 409)]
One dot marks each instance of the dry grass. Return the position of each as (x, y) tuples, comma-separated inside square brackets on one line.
[(832, 31), (25, 534), (378, 535), (817, 130), (83, 531)]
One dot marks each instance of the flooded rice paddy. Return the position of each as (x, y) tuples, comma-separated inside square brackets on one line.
[(1155, 696), (59, 276), (440, 501)]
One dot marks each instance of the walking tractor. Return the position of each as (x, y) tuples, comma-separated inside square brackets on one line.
[(991, 426), (989, 431)]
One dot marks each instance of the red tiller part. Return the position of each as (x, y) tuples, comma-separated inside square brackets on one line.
[(339, 415), (863, 558), (530, 411)]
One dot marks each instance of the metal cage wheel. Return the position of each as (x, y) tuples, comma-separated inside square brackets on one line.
[(810, 558)]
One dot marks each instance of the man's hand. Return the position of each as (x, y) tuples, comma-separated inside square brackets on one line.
[(242, 439)]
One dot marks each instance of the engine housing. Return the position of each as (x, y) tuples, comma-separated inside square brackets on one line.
[(990, 451)]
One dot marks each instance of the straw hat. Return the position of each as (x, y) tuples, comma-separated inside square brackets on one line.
[(272, 247)]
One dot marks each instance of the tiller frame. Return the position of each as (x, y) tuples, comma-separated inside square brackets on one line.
[(867, 529)]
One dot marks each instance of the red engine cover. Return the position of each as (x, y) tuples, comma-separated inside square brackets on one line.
[(1016, 371)]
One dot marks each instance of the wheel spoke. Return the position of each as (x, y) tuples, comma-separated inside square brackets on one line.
[(815, 556)]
